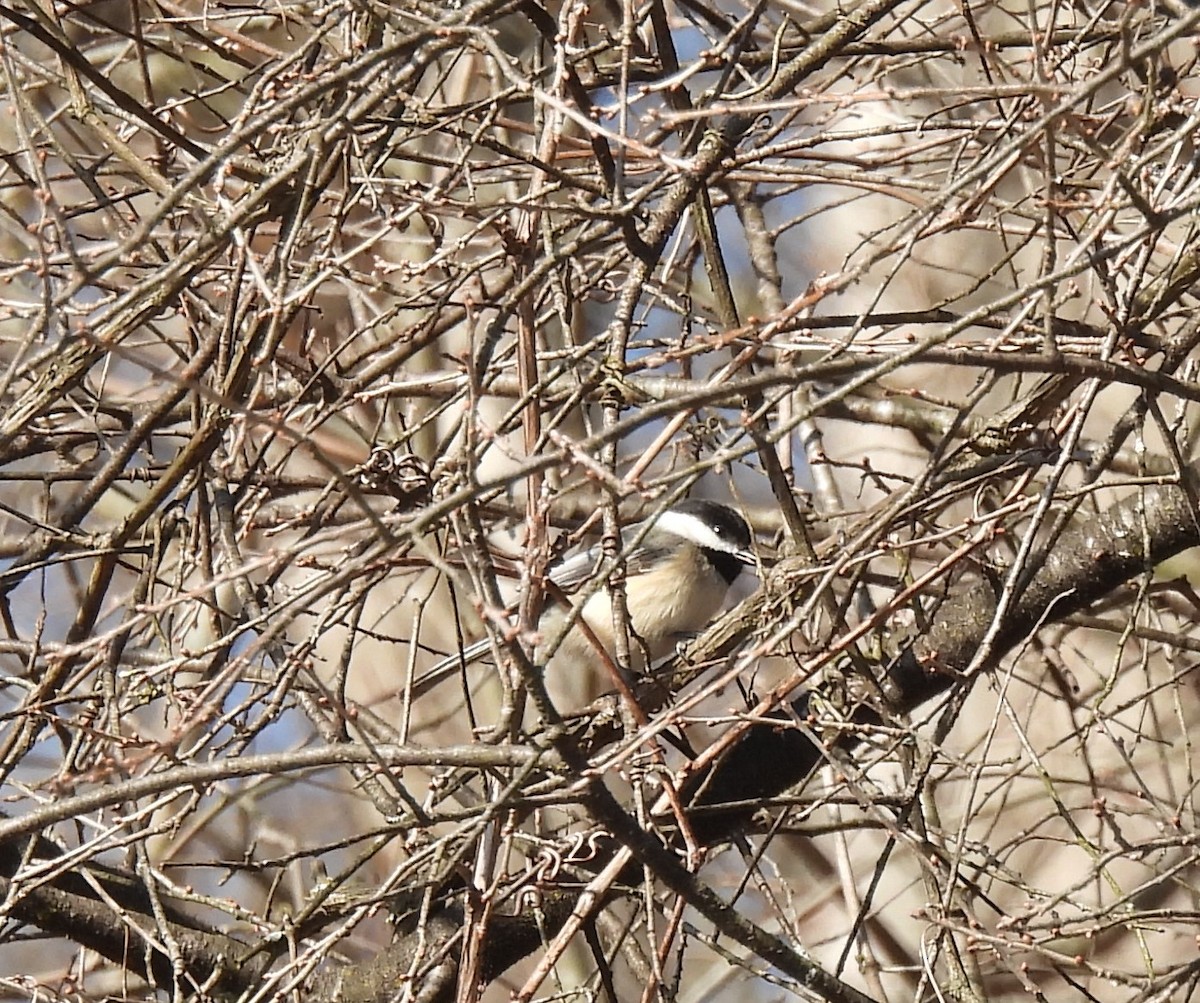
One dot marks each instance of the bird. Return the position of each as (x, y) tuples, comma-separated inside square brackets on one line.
[(677, 576)]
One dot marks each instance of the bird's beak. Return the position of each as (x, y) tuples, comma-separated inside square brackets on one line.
[(746, 557)]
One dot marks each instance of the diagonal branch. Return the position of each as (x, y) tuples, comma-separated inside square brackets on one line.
[(1082, 566)]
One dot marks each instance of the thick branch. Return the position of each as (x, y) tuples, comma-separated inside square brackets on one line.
[(1079, 568)]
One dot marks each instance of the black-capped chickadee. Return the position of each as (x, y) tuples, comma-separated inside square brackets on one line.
[(677, 575)]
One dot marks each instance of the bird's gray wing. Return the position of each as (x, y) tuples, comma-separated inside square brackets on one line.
[(569, 575), (576, 569), (582, 567)]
